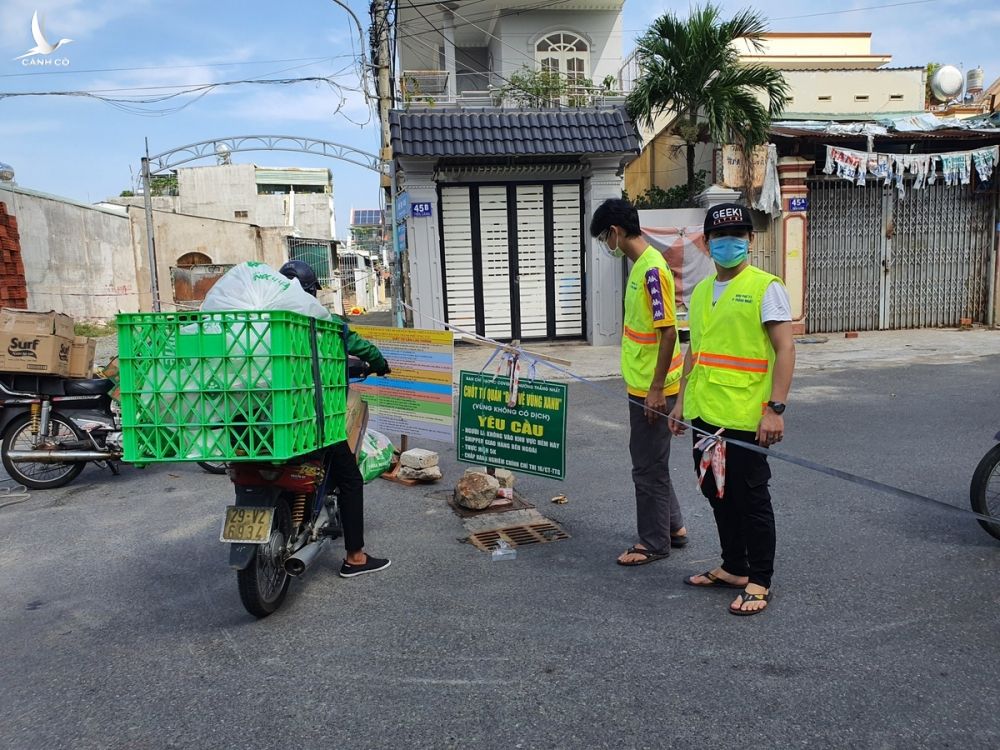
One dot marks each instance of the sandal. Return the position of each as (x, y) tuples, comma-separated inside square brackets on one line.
[(745, 597), (715, 582), (648, 556)]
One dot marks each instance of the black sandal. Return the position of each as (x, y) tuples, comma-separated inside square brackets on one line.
[(678, 540), (744, 597), (716, 582), (648, 556)]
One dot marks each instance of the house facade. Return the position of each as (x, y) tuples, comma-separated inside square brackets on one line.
[(831, 76), (465, 52), (500, 194)]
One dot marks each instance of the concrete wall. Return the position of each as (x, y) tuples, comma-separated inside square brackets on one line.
[(887, 90), (659, 166), (813, 44), (224, 242), (78, 259), (220, 191)]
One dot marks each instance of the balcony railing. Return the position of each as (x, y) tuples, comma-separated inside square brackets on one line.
[(421, 91)]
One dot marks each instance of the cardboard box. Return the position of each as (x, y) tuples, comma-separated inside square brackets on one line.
[(35, 352), (81, 358), (44, 323)]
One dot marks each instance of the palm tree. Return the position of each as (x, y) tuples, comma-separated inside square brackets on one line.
[(691, 68)]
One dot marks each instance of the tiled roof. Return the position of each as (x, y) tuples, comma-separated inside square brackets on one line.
[(508, 133)]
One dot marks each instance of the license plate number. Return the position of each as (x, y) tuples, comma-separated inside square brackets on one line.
[(247, 525)]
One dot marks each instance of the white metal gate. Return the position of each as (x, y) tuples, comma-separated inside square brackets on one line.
[(878, 261), (512, 257)]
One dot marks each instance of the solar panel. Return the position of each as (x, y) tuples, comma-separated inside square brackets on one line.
[(366, 217)]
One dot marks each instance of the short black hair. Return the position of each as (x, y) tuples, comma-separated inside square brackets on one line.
[(615, 212)]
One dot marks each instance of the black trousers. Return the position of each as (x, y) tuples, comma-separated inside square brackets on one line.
[(743, 515), (347, 476)]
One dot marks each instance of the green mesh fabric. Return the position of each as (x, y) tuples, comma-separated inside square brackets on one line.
[(233, 386)]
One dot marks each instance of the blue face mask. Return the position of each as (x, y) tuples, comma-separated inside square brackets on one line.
[(728, 252)]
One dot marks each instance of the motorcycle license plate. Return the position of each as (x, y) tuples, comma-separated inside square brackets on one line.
[(247, 525)]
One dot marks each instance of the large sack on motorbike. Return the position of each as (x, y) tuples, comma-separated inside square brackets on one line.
[(256, 286), (375, 457)]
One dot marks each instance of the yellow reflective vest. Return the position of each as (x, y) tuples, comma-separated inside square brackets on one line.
[(649, 304), (733, 360)]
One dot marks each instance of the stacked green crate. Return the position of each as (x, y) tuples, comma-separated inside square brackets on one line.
[(229, 386)]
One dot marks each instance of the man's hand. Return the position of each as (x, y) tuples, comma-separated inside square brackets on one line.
[(771, 428), (381, 367), (655, 404), (674, 421)]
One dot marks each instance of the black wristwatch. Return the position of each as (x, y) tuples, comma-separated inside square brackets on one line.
[(777, 407)]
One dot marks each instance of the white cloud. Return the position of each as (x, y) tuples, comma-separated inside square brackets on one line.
[(301, 103)]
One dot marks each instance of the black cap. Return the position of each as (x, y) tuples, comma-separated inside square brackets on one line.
[(728, 216)]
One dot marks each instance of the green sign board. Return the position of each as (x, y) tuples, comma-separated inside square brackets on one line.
[(529, 437)]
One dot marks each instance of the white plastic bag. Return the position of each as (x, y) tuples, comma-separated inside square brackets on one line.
[(256, 286)]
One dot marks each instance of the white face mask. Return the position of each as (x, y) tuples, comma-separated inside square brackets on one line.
[(614, 252)]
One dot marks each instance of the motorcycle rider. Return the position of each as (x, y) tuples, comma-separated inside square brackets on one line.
[(343, 462)]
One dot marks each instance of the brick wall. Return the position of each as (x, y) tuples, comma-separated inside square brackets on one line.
[(13, 289)]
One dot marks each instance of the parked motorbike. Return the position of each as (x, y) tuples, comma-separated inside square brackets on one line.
[(284, 514), (984, 492), (51, 427)]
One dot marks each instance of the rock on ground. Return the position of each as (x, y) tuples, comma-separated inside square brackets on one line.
[(476, 491)]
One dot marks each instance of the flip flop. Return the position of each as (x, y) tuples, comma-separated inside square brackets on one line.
[(648, 556), (745, 597), (716, 582)]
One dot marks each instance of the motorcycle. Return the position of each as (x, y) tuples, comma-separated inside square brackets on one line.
[(51, 427), (984, 492), (284, 514)]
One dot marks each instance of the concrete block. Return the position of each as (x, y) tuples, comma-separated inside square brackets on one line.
[(430, 474), (418, 458)]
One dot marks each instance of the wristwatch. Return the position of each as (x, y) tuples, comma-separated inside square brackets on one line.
[(777, 407)]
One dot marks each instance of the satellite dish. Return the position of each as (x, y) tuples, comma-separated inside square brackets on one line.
[(6, 172), (947, 83)]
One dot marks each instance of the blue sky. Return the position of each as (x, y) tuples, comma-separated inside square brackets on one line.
[(88, 150)]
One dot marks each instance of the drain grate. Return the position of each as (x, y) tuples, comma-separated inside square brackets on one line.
[(518, 536)]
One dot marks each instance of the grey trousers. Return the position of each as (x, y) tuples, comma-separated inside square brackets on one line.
[(656, 509)]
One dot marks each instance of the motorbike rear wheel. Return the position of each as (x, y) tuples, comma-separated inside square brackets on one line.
[(264, 582), (18, 436), (984, 492)]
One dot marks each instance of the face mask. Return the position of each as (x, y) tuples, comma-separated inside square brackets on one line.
[(728, 252), (615, 252)]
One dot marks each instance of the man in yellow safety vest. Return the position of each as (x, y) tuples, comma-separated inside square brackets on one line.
[(737, 374), (651, 366)]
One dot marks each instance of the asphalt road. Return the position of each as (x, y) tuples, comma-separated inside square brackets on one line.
[(121, 626)]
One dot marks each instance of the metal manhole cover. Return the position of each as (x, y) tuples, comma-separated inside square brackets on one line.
[(518, 536)]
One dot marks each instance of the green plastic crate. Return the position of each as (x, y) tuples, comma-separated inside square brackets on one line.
[(228, 386)]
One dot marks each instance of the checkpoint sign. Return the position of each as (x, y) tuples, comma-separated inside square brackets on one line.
[(530, 437)]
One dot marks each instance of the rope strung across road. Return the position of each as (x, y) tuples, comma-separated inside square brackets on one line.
[(769, 452)]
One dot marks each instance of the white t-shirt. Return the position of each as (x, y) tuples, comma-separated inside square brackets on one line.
[(774, 307)]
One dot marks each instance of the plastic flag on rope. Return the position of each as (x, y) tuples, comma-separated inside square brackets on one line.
[(713, 455)]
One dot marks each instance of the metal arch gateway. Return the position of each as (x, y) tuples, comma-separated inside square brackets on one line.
[(235, 144), (167, 160)]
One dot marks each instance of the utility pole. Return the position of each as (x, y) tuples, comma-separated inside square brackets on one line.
[(381, 54)]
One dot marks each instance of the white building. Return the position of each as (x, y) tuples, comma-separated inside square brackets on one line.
[(501, 195)]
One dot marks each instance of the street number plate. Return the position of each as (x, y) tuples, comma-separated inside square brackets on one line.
[(247, 525)]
